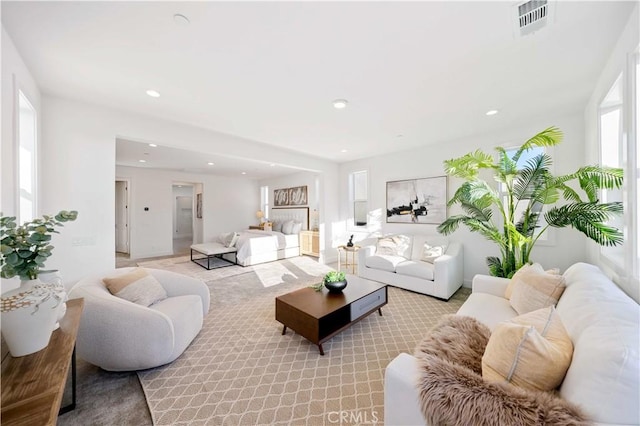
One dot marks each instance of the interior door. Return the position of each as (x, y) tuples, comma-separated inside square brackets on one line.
[(184, 216), (122, 217)]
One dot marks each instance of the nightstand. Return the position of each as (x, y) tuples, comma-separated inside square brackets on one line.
[(310, 243), (263, 227)]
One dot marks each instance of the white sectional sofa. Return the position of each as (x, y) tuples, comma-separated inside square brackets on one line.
[(603, 323), (441, 278)]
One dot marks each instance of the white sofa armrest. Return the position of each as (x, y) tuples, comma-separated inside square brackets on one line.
[(363, 253), (488, 284), (181, 285), (448, 271), (401, 399)]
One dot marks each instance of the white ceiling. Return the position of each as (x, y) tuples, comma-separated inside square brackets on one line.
[(414, 73)]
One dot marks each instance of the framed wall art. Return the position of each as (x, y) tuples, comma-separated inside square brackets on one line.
[(295, 196), (417, 200)]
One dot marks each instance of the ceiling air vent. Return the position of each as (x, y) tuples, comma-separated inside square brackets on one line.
[(531, 16)]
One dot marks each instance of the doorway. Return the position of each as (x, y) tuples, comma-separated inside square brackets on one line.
[(122, 218), (183, 218)]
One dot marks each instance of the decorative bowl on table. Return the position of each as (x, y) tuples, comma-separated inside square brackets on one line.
[(336, 287)]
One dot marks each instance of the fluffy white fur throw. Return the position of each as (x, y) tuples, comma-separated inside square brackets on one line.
[(452, 391)]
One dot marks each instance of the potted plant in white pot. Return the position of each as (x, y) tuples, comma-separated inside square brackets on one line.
[(30, 312), (526, 191)]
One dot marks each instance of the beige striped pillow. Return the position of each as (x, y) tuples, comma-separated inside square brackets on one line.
[(137, 286), (532, 351)]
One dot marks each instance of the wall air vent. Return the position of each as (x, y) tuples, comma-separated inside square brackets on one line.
[(531, 16)]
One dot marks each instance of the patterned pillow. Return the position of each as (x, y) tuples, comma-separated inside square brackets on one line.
[(137, 286), (394, 245), (431, 253), (532, 351)]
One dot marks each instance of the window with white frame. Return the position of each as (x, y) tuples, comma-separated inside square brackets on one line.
[(264, 200), (359, 186), (612, 153), (27, 166)]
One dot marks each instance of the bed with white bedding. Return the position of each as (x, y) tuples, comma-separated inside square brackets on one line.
[(282, 242)]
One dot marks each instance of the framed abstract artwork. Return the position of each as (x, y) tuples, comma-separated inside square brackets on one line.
[(417, 200), (295, 196)]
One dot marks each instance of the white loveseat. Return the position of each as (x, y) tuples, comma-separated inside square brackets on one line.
[(604, 376), (441, 278)]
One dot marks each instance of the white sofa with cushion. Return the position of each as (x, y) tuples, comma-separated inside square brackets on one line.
[(118, 335), (603, 378), (440, 276)]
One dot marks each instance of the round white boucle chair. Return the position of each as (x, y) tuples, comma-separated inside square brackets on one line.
[(118, 335)]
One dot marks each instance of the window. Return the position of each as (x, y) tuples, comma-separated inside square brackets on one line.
[(27, 146), (611, 136), (264, 200), (618, 118), (359, 194)]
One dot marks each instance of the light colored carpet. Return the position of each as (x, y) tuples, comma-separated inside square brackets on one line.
[(241, 370)]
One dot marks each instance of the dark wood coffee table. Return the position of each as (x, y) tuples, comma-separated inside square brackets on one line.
[(320, 315)]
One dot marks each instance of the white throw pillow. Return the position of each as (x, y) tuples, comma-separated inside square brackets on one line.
[(234, 240), (431, 253), (225, 238), (276, 226), (393, 245), (137, 286), (287, 227), (296, 228)]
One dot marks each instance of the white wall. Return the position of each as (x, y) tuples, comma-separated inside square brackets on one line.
[(427, 161), (617, 62), (79, 145), (228, 204), (15, 76)]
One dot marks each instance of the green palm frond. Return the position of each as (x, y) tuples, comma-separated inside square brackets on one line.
[(495, 266), (531, 177), (450, 225), (505, 167), (588, 218), (550, 136), (467, 166)]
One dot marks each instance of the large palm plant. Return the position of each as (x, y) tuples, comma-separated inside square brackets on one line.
[(523, 194)]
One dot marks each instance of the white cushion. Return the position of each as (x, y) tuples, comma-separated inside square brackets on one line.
[(277, 225), (431, 253), (234, 240), (416, 269), (603, 323), (488, 309), (394, 245), (137, 286), (384, 262), (287, 227), (432, 240), (296, 228)]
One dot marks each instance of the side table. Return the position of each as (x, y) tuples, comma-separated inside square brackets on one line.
[(350, 254), (32, 385)]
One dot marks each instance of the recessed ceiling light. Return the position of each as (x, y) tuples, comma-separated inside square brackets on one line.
[(210, 163), (142, 161), (153, 145), (492, 112), (153, 93), (340, 103), (399, 136), (272, 165), (181, 20), (244, 173), (343, 150)]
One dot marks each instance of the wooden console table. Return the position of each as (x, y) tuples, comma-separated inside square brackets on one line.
[(33, 385)]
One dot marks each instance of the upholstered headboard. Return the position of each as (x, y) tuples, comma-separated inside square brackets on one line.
[(301, 214)]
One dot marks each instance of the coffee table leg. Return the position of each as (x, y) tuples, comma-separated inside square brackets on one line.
[(284, 330), (380, 311), (321, 351)]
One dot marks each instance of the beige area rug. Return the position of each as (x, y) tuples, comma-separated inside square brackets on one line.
[(240, 370)]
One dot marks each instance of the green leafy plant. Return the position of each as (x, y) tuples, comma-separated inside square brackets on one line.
[(24, 249), (330, 277), (528, 190)]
